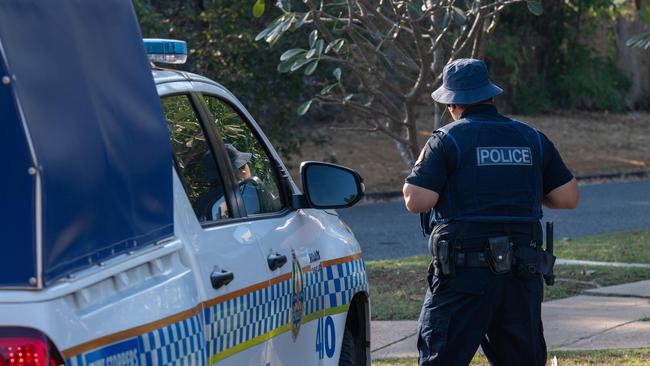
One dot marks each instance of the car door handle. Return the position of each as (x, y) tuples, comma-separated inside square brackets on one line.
[(221, 278), (276, 260)]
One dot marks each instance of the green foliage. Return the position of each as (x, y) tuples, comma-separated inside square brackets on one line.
[(304, 107), (531, 98), (189, 145), (258, 8), (233, 130), (510, 62), (220, 35), (535, 7), (590, 82), (384, 49), (547, 62)]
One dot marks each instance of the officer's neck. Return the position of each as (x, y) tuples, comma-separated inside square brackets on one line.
[(476, 108)]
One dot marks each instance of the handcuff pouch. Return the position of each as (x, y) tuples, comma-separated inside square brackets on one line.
[(500, 254)]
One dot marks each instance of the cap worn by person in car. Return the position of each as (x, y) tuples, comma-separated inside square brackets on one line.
[(465, 81), (237, 158)]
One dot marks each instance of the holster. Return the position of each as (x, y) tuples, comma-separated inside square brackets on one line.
[(500, 254), (546, 263), (443, 256), (425, 222), (532, 260)]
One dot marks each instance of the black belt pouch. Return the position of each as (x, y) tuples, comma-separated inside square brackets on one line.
[(500, 254)]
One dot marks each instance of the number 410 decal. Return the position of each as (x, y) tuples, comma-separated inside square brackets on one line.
[(325, 338)]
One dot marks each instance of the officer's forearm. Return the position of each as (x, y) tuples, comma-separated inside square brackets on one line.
[(418, 199), (565, 196)]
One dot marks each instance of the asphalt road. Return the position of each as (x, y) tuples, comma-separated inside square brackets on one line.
[(387, 230)]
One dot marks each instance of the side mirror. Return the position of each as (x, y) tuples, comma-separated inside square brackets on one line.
[(330, 186)]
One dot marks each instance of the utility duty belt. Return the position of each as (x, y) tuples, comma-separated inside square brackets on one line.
[(499, 253)]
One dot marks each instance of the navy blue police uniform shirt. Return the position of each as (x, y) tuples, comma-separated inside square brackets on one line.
[(439, 158)]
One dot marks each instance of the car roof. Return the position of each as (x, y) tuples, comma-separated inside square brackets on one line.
[(162, 75)]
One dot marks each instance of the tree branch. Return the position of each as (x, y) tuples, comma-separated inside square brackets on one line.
[(471, 33), (327, 35), (368, 112), (373, 129), (500, 3), (423, 75)]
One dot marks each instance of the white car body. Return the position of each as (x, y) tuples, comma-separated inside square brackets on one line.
[(157, 306)]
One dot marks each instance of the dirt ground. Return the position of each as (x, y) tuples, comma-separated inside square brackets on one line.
[(590, 143)]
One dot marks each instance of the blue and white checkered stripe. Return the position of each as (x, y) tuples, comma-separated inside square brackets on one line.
[(178, 343), (335, 285), (247, 317), (75, 361), (255, 314), (342, 281), (243, 318), (313, 291)]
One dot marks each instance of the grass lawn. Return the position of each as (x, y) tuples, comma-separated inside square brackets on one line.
[(571, 280), (398, 286), (633, 247), (619, 357)]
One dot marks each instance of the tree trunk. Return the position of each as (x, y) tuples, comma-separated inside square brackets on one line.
[(406, 154), (635, 62), (438, 110), (404, 151), (437, 68)]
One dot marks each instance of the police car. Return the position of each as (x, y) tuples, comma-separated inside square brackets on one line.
[(135, 235)]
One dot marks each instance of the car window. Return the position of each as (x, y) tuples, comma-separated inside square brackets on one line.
[(253, 167), (194, 161)]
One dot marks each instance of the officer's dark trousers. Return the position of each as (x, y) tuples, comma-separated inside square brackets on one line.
[(502, 313)]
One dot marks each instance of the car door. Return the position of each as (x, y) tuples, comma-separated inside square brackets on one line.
[(289, 239), (231, 269)]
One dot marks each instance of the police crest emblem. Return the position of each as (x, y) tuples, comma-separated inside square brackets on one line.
[(297, 296)]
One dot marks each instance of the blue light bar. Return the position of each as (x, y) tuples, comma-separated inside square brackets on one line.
[(168, 51)]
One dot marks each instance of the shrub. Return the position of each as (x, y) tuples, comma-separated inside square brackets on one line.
[(221, 41), (546, 62)]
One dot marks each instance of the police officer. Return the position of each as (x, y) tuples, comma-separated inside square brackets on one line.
[(486, 177)]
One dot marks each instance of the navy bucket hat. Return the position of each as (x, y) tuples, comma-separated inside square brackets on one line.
[(465, 81), (237, 158)]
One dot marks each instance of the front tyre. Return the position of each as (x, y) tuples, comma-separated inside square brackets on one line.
[(352, 351)]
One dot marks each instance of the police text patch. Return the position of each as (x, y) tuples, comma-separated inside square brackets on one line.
[(503, 156)]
